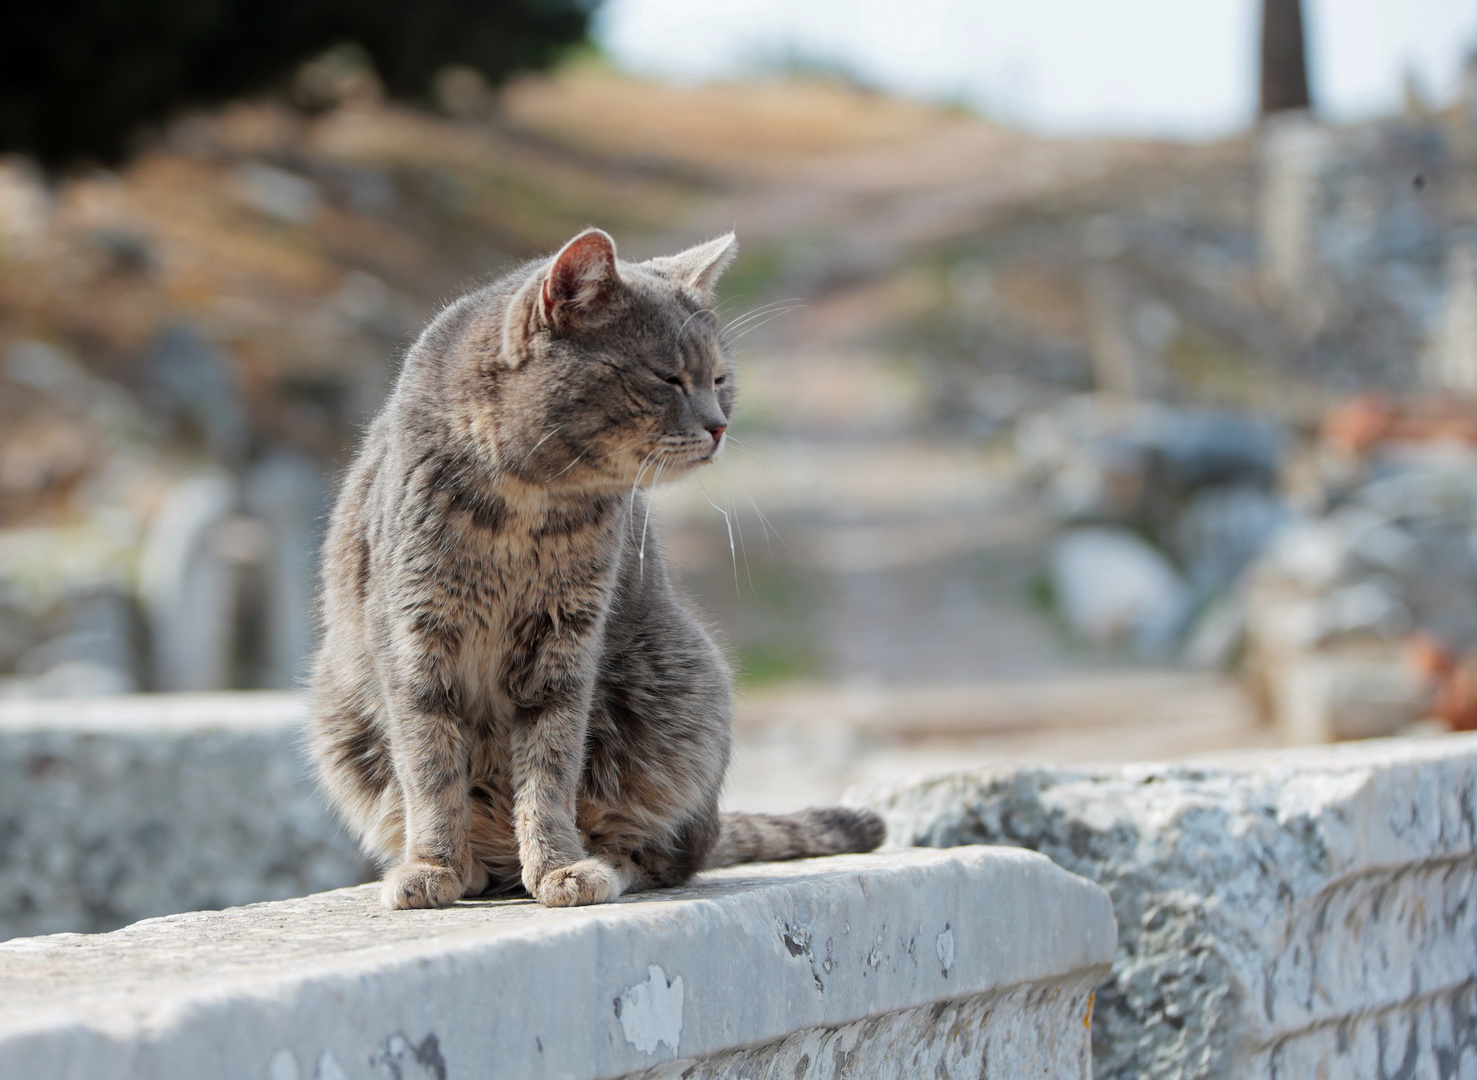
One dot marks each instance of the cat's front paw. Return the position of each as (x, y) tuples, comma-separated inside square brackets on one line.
[(589, 881), (421, 885)]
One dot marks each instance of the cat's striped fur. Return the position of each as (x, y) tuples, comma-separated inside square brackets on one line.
[(508, 693)]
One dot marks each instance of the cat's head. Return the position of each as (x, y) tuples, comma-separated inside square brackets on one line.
[(614, 373)]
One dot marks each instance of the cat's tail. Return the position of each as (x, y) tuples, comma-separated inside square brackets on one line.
[(819, 830)]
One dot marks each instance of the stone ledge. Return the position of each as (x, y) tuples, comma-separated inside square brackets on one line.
[(122, 808), (264, 711), (1278, 911), (332, 987)]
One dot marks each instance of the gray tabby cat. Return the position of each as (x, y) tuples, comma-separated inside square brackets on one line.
[(508, 692)]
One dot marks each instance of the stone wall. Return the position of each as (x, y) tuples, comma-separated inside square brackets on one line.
[(975, 962), (118, 809), (1291, 915)]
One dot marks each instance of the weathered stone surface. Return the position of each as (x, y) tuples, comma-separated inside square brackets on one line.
[(1298, 914), (1017, 1033), (882, 960), (117, 809)]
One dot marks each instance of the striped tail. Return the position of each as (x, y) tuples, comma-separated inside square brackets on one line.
[(819, 830)]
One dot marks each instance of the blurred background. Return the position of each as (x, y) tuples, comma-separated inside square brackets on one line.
[(1109, 374)]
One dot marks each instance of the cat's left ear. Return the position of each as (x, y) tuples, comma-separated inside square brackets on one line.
[(699, 267)]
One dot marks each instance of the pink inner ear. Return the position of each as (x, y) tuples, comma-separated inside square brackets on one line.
[(580, 273)]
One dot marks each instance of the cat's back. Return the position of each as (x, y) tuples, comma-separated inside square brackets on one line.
[(415, 426)]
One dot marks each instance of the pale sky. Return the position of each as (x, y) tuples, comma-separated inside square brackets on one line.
[(1157, 67)]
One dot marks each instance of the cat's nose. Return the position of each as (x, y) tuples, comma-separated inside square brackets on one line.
[(717, 432)]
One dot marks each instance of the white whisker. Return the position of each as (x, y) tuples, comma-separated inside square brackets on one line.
[(759, 314), (755, 453), (551, 433), (636, 483), (571, 465), (731, 549), (766, 525), (765, 322), (641, 549), (748, 571), (762, 309), (683, 328), (750, 447)]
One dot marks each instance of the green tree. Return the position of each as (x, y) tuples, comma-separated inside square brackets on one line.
[(77, 77)]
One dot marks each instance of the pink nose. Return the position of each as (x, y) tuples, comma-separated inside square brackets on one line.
[(717, 432)]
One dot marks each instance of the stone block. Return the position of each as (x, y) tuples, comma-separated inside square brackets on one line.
[(1293, 914), (120, 808), (977, 962)]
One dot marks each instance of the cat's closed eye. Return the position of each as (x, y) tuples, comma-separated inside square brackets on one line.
[(675, 380), (720, 380)]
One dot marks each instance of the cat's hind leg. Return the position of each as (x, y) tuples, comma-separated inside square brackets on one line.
[(352, 757), (644, 857)]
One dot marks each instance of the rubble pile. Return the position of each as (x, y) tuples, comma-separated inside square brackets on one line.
[(1162, 509), (1252, 513), (1338, 571), (1362, 614)]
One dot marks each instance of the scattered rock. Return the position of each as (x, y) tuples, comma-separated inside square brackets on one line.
[(1116, 459), (128, 807), (194, 383), (277, 192), (96, 652), (1222, 530), (1115, 589), (1196, 448), (189, 588), (289, 496), (1217, 639), (1334, 603)]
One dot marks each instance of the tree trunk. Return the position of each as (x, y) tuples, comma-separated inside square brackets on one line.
[(1284, 57)]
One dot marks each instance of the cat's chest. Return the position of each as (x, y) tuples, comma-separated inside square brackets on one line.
[(535, 559), (529, 574)]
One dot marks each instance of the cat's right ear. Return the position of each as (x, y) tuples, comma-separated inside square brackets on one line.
[(578, 291), (581, 283)]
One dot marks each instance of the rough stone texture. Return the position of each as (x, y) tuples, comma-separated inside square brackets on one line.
[(1013, 1034), (122, 808), (847, 952), (1292, 915)]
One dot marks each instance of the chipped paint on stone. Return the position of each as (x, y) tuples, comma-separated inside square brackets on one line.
[(283, 1066), (651, 1012), (329, 1068), (944, 946)]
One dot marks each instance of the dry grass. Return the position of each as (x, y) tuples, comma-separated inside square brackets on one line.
[(753, 130)]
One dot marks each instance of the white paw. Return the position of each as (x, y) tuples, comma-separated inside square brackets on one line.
[(589, 881), (421, 885)]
